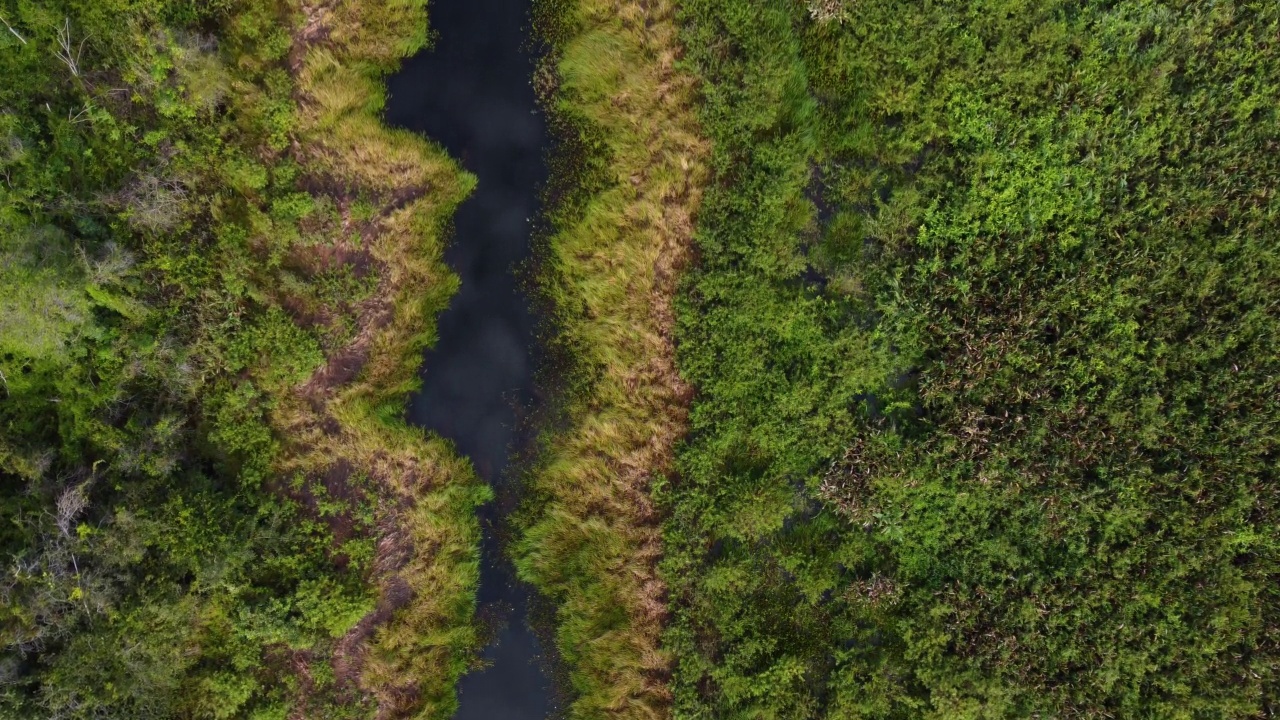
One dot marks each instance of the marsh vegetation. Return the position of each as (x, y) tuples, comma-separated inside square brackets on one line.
[(911, 360), (220, 271), (629, 169)]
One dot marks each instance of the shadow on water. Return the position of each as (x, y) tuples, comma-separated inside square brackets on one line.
[(471, 92)]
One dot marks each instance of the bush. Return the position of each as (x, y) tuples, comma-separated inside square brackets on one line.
[(982, 335)]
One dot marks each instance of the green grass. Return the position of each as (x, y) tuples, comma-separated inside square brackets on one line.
[(1014, 454), (630, 175)]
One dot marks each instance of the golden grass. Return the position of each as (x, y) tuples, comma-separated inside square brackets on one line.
[(594, 543), (409, 653)]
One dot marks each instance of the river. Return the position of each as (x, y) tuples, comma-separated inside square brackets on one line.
[(471, 93)]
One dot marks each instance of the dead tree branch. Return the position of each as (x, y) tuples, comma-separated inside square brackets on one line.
[(70, 504), (15, 32), (68, 51)]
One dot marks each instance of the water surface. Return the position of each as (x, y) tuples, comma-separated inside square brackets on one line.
[(471, 92)]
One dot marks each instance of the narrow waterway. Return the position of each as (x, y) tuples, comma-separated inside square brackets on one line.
[(471, 92)]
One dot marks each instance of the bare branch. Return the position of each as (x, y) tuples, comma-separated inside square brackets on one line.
[(155, 204), (825, 11), (15, 32), (68, 52), (79, 585), (72, 502)]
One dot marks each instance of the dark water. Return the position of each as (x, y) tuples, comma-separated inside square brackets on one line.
[(471, 93)]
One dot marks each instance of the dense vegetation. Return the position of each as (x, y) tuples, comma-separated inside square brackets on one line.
[(984, 335), (217, 274), (981, 313), (628, 174)]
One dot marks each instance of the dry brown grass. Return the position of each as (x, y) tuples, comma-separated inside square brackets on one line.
[(595, 545)]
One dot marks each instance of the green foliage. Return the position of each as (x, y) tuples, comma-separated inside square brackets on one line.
[(984, 336), (157, 565), (44, 299)]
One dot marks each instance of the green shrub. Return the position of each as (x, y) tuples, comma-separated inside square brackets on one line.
[(154, 334), (983, 336)]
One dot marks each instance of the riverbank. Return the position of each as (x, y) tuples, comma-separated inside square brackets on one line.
[(627, 182), (219, 272), (396, 194)]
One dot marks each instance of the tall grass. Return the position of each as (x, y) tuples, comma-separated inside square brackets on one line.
[(411, 651), (589, 532)]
